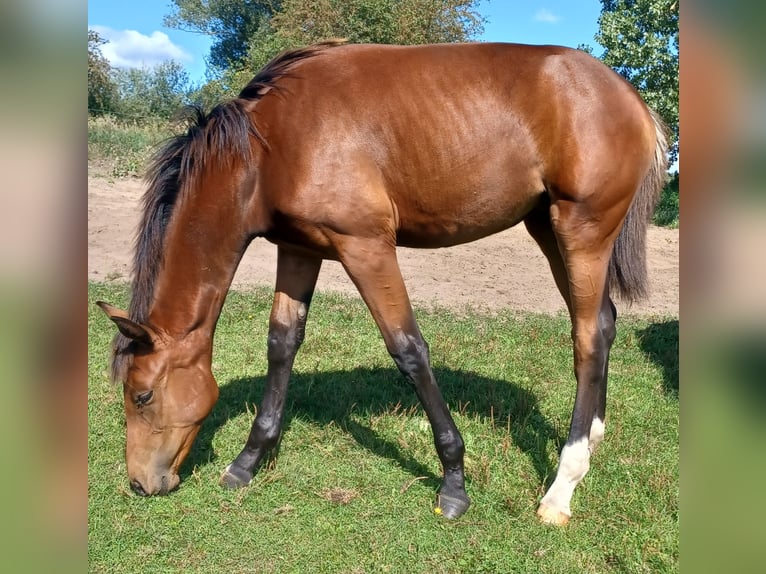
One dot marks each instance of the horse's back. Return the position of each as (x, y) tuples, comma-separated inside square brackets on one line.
[(446, 143)]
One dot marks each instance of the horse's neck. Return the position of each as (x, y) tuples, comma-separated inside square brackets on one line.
[(203, 248)]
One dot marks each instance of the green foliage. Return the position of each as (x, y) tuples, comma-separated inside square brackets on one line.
[(210, 93), (102, 91), (134, 94), (640, 38), (231, 22), (152, 92), (351, 486), (277, 26), (667, 211), (263, 46), (303, 22)]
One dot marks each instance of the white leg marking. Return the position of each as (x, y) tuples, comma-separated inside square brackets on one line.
[(573, 464), (596, 434)]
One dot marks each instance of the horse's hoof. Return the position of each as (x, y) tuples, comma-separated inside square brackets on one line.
[(451, 507), (234, 477), (549, 515)]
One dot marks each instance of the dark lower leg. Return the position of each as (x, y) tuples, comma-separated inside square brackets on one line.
[(412, 357), (296, 278), (606, 320), (266, 427)]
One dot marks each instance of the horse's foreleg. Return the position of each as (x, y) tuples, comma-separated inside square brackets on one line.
[(296, 278), (380, 283)]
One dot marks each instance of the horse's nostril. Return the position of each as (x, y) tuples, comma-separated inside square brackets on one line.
[(137, 488)]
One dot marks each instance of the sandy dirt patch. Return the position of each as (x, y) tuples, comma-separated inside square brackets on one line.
[(506, 270)]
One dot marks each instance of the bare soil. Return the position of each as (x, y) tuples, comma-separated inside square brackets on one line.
[(505, 270)]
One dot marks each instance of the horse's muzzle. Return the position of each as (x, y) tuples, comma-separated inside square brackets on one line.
[(166, 485), (137, 488)]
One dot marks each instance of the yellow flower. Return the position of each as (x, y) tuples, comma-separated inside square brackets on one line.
[(438, 511)]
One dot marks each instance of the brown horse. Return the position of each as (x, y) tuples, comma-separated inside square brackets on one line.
[(345, 152)]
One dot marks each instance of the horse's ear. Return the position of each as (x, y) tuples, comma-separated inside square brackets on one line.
[(132, 330)]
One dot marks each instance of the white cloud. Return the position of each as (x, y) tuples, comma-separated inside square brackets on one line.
[(131, 49), (545, 15)]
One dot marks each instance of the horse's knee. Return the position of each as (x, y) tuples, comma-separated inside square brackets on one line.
[(411, 355), (284, 341)]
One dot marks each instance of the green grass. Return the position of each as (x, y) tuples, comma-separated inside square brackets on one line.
[(123, 148), (352, 486)]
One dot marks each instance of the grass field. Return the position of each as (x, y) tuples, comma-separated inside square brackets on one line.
[(120, 148), (352, 486)]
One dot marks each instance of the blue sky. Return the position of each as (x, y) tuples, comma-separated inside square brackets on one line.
[(138, 38)]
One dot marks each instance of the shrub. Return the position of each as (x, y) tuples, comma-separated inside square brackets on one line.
[(122, 147), (667, 213)]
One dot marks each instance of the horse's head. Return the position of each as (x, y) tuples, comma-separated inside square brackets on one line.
[(169, 389)]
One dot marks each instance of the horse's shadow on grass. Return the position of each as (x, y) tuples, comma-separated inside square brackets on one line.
[(659, 341), (326, 397)]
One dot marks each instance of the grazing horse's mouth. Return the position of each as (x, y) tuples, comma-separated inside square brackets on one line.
[(166, 486), (138, 488)]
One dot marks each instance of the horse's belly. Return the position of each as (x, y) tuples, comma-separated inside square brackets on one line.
[(461, 219)]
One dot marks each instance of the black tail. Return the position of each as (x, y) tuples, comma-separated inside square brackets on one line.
[(627, 268)]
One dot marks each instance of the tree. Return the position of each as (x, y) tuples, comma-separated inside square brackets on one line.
[(640, 38), (152, 92), (231, 22), (244, 27), (102, 92), (378, 21), (303, 22)]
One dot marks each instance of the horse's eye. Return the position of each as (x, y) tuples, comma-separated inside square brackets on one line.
[(144, 398)]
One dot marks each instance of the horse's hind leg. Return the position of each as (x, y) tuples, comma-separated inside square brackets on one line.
[(373, 268), (296, 278), (539, 225), (582, 255)]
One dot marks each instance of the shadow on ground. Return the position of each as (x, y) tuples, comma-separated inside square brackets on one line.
[(659, 341), (327, 397)]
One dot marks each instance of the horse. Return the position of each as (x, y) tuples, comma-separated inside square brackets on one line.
[(344, 152)]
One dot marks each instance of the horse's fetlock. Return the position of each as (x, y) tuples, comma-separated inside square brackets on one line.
[(451, 446)]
